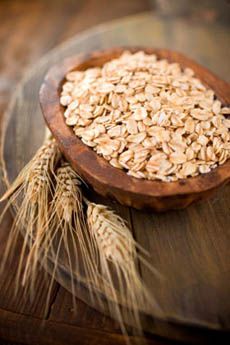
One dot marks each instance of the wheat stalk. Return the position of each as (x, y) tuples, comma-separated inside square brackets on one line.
[(118, 256), (66, 239), (32, 188), (96, 250), (65, 204)]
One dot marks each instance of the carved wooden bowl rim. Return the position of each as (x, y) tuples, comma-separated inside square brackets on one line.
[(95, 169)]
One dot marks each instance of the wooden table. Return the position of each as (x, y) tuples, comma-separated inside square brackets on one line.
[(21, 321)]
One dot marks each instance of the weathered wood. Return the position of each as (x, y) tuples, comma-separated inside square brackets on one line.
[(84, 316), (15, 328), (97, 172), (188, 247)]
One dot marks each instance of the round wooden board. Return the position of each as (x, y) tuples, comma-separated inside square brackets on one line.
[(190, 248)]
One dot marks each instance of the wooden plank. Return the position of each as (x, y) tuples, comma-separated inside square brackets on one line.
[(191, 252), (83, 316), (32, 331)]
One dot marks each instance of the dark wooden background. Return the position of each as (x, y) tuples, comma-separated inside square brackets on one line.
[(29, 29)]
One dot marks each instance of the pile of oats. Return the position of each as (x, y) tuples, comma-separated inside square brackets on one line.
[(148, 117)]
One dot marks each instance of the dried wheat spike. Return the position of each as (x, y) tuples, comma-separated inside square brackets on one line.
[(68, 197), (66, 238), (64, 220), (36, 174), (118, 255), (32, 189), (113, 236)]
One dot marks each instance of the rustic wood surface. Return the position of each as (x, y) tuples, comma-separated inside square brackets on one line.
[(190, 247), (98, 173)]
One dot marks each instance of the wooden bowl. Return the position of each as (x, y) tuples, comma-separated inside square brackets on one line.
[(97, 172)]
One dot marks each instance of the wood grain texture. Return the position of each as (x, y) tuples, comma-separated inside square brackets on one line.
[(15, 329), (189, 247), (96, 171)]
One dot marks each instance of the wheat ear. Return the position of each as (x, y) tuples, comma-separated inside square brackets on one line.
[(65, 239), (55, 227), (118, 256), (32, 189)]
